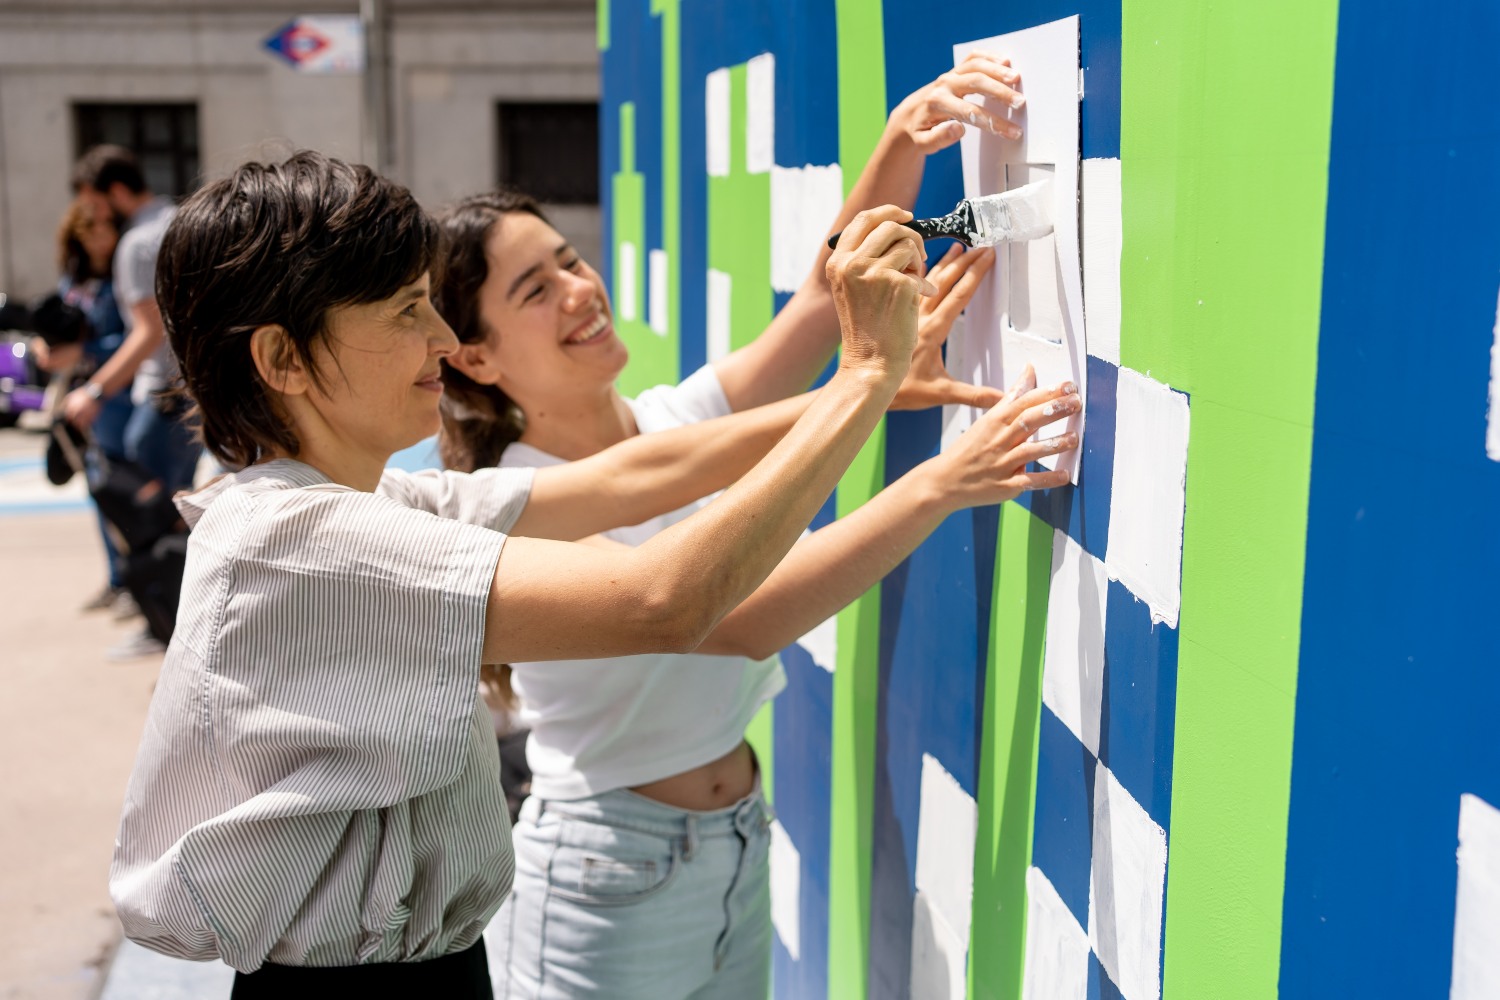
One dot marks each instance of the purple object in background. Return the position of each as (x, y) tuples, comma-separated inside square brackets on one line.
[(20, 382)]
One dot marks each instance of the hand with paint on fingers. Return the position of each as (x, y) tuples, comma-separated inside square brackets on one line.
[(875, 274), (987, 464), (956, 277), (934, 117)]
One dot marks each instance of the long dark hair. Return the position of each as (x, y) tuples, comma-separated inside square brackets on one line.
[(479, 421)]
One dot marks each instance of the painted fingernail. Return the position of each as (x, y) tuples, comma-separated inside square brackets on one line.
[(1067, 387)]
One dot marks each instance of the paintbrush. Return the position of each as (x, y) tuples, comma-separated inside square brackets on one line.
[(1009, 217)]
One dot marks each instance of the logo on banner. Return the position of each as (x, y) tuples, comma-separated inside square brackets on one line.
[(320, 43)]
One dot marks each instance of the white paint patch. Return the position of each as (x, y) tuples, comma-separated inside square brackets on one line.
[(1073, 662), (804, 203), (656, 276), (1102, 237), (1476, 927), (1127, 881), (625, 282), (716, 120), (719, 289), (1149, 491), (964, 360), (822, 643), (786, 890), (1057, 949), (948, 824), (1492, 439), (760, 113)]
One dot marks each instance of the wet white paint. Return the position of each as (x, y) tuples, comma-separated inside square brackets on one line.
[(948, 824), (822, 643), (760, 113), (717, 337), (805, 201), (656, 305), (1149, 493), (1476, 927), (1492, 437), (716, 120), (626, 279), (1057, 948), (1127, 882), (1073, 660), (1102, 239), (786, 890)]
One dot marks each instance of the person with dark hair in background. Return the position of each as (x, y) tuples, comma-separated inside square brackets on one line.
[(155, 436)]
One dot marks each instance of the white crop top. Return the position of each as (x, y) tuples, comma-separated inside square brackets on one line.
[(598, 725)]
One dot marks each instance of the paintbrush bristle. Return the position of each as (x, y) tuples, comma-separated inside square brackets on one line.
[(1013, 216)]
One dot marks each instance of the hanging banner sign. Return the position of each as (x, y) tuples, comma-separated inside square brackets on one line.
[(321, 43)]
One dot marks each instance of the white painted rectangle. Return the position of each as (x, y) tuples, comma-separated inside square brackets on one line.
[(786, 890), (626, 277), (948, 824), (1057, 949), (1073, 658), (760, 113), (1127, 883), (822, 643), (717, 121), (656, 306), (1102, 239), (1492, 438), (1149, 493), (717, 336), (939, 958), (1476, 926), (804, 203)]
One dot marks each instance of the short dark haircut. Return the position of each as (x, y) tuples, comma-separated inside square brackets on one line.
[(278, 244), (104, 166), (479, 421)]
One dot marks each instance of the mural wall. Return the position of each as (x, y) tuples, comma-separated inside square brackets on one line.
[(1215, 722)]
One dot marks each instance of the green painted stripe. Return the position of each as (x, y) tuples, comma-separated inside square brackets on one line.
[(651, 362), (760, 734), (601, 14), (739, 227), (1224, 164), (862, 113), (1008, 752), (671, 169)]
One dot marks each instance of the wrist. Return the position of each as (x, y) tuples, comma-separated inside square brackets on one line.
[(93, 389), (938, 487)]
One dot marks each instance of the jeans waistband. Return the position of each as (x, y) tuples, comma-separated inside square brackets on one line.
[(626, 809)]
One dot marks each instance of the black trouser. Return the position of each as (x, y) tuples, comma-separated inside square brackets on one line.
[(463, 975)]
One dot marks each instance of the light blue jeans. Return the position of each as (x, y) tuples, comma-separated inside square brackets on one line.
[(623, 897)]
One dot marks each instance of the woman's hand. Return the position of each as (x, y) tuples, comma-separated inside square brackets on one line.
[(876, 277), (956, 277), (934, 117), (987, 464)]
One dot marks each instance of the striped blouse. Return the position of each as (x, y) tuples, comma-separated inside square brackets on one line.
[(318, 781)]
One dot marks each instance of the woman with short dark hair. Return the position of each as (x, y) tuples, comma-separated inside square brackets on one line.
[(315, 800)]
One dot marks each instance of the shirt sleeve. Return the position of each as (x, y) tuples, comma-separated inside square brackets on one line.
[(348, 661), (490, 498), (697, 397)]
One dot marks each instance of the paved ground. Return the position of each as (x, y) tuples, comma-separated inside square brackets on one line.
[(69, 724)]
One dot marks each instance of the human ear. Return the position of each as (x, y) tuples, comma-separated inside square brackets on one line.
[(276, 360), (476, 362)]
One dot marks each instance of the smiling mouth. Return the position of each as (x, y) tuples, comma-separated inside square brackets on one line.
[(590, 333)]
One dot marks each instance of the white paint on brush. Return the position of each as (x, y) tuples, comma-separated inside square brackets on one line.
[(1102, 236), (1476, 927), (625, 282), (1073, 661), (822, 643), (1127, 882), (1057, 949), (1149, 493), (805, 201), (656, 306), (1492, 439), (948, 824), (719, 289), (760, 113), (786, 890), (716, 120)]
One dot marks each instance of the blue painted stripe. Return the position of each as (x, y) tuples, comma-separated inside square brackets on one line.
[(57, 507)]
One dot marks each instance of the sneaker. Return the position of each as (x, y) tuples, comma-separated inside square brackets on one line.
[(124, 607), (104, 599), (141, 644)]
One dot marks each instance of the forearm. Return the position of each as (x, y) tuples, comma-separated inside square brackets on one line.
[(119, 371), (652, 474), (831, 568)]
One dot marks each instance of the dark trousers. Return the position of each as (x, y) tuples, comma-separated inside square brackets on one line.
[(463, 975)]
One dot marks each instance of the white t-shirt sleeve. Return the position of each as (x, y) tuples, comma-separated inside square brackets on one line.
[(696, 398), (490, 498)]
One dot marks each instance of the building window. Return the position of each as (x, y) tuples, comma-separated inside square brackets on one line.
[(551, 151), (164, 137)]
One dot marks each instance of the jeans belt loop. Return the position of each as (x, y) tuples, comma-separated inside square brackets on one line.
[(690, 840)]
